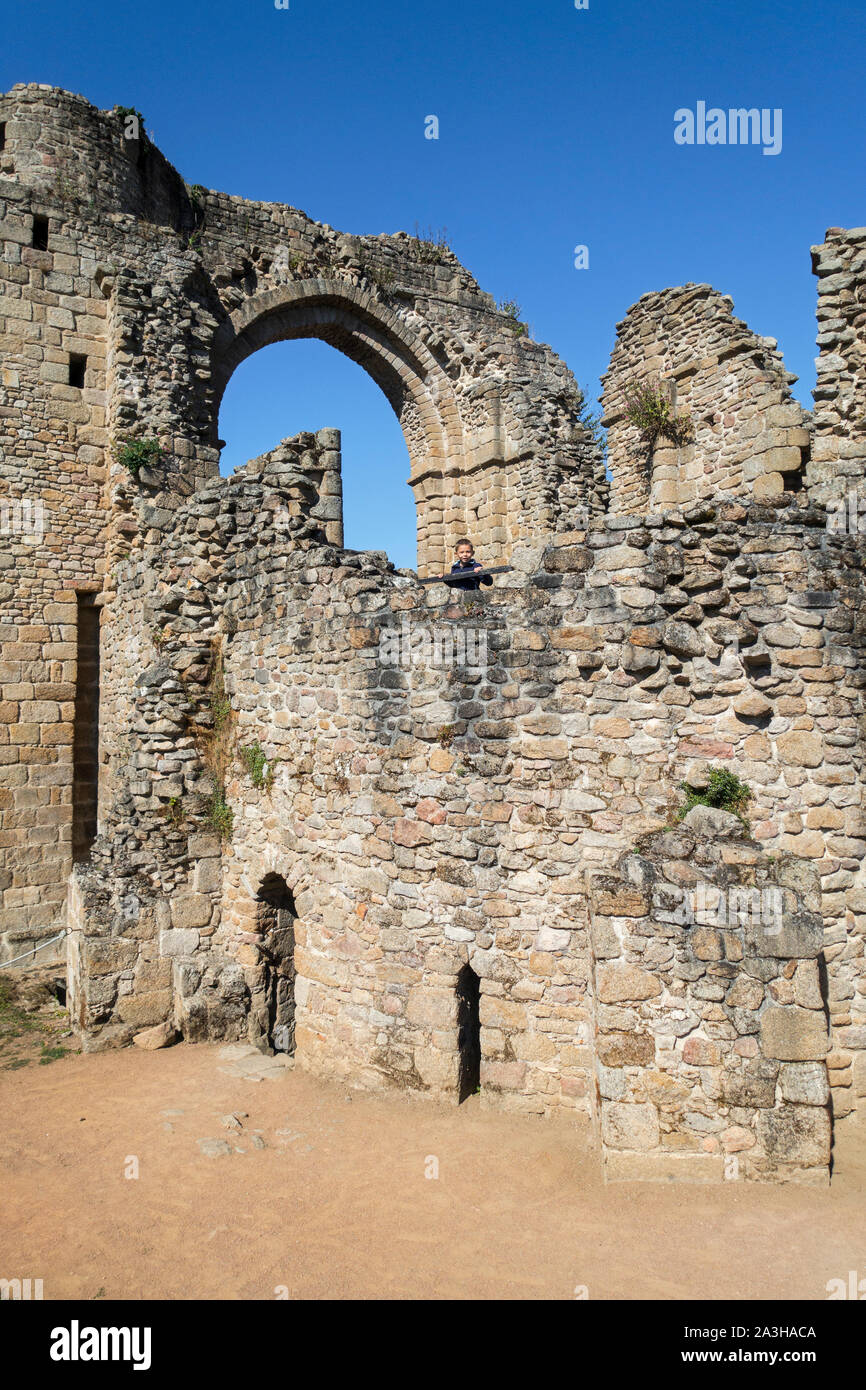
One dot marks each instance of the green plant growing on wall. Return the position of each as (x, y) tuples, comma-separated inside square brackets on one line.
[(431, 244), (220, 815), (384, 280), (650, 409), (511, 310), (446, 735), (217, 749), (125, 112), (66, 187), (197, 194), (724, 791), (135, 454), (174, 812), (255, 761)]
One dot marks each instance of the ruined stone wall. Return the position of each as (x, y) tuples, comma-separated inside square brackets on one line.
[(52, 523), (748, 436), (839, 420), (711, 1028), (426, 814), (427, 809), (163, 289)]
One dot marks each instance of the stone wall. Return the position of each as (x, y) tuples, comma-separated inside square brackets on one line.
[(839, 446), (432, 783), (711, 1026), (429, 808), (163, 289), (748, 436)]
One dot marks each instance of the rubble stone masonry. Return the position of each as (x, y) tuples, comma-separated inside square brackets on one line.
[(325, 790)]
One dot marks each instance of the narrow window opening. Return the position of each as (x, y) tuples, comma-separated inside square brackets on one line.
[(77, 368), (2, 136), (85, 747), (468, 1032), (276, 924), (40, 233)]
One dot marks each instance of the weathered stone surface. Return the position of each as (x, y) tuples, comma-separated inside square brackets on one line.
[(152, 1039), (192, 911), (711, 822), (663, 1167), (804, 1083), (626, 1049), (795, 1134), (794, 1034), (625, 982), (629, 1126), (791, 935)]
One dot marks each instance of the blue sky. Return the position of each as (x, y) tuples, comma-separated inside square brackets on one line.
[(556, 129)]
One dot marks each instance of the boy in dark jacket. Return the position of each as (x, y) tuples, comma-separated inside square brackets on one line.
[(467, 564)]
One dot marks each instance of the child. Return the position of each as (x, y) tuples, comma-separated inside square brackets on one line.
[(467, 564)]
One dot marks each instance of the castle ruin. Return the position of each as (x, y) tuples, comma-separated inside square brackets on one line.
[(269, 788)]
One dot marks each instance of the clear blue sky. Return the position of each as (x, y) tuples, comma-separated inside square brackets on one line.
[(556, 129)]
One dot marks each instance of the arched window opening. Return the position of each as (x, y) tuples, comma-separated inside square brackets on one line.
[(305, 384)]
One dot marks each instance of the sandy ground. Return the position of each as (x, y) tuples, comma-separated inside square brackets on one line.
[(336, 1203)]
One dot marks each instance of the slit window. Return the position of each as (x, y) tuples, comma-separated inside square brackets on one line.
[(468, 1033), (2, 135), (77, 368), (85, 749), (40, 233)]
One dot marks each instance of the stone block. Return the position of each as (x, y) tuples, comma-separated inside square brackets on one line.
[(790, 936), (620, 982), (796, 1134), (145, 1009), (502, 1013), (152, 1039), (804, 1083), (800, 749), (432, 1008), (207, 876), (713, 823), (626, 1049), (191, 910), (793, 1034), (701, 1052), (605, 942), (626, 1126), (749, 1089), (178, 942), (663, 1167)]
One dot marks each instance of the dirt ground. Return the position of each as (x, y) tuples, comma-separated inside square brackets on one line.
[(322, 1191)]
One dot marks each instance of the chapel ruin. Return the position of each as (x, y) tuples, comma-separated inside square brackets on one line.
[(260, 785)]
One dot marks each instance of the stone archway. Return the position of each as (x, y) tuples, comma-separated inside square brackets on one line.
[(402, 365)]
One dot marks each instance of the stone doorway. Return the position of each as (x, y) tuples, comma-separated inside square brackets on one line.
[(276, 925), (468, 1033)]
